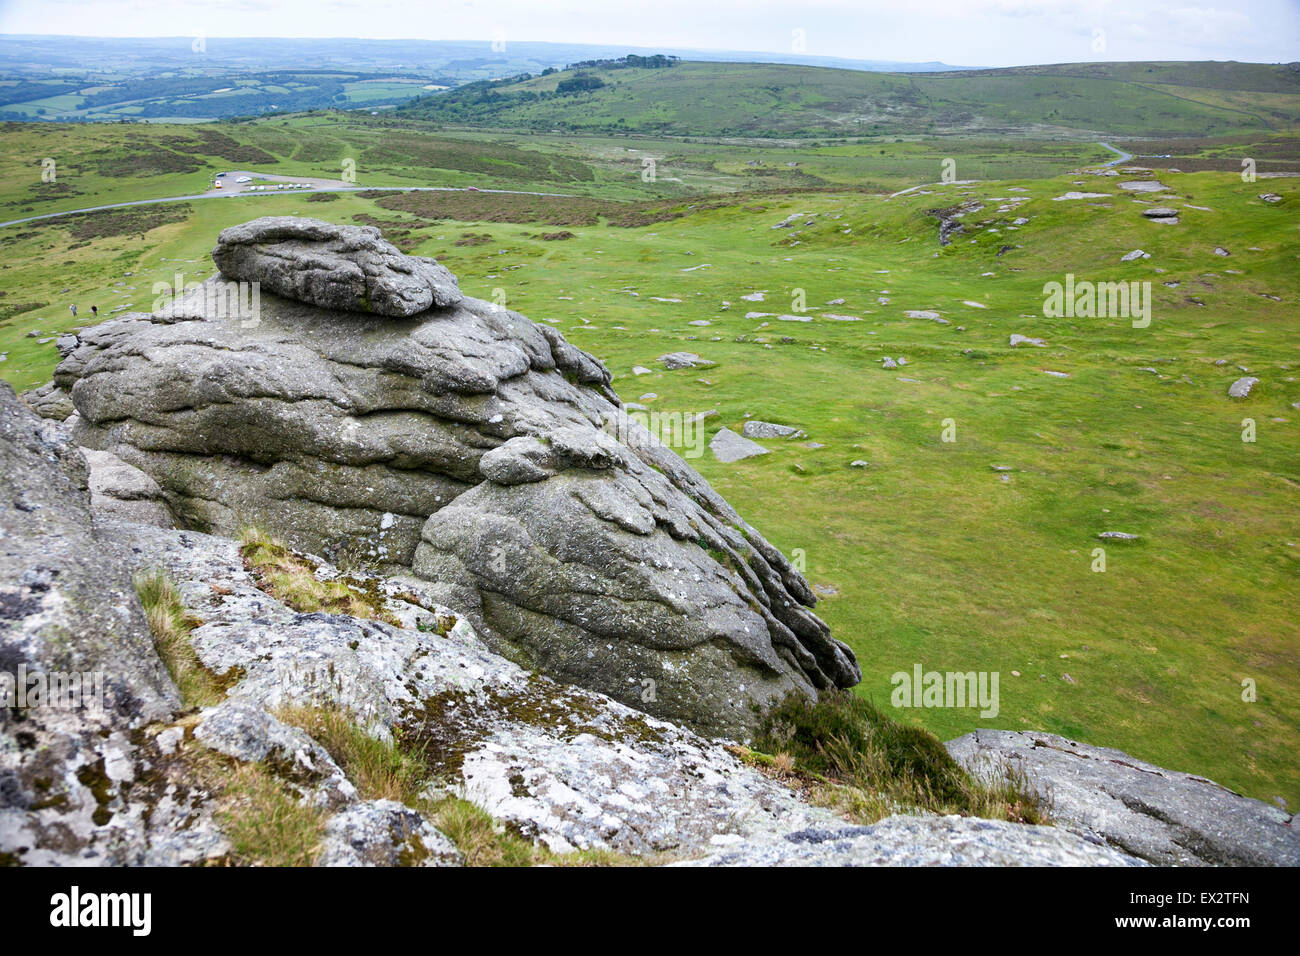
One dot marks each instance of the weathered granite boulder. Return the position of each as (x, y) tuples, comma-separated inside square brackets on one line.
[(1166, 817), (50, 401), (471, 445), (347, 268)]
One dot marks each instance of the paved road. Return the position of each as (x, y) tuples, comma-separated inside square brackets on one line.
[(224, 193), (1123, 156)]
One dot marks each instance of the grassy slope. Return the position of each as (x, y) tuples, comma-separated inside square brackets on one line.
[(933, 558), (774, 99)]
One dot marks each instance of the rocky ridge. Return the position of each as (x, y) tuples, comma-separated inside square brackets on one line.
[(475, 447)]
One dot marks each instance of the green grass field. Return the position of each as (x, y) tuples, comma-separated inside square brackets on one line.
[(927, 555)]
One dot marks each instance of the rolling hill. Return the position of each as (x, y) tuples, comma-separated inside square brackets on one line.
[(777, 100)]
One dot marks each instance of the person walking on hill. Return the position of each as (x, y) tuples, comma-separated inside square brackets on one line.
[(73, 309), (94, 311)]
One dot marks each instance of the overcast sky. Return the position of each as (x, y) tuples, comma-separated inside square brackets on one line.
[(966, 32)]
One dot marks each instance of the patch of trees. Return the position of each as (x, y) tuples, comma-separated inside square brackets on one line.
[(579, 83), (656, 62), (25, 90)]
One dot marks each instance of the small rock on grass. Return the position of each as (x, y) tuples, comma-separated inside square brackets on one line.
[(1017, 339), (1242, 386), (757, 429), (727, 446)]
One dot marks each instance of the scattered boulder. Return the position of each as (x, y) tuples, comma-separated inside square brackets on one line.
[(679, 360), (50, 401), (1242, 386), (385, 833), (1220, 251), (1143, 186), (727, 446), (1135, 254), (1017, 339), (757, 429), (1117, 536)]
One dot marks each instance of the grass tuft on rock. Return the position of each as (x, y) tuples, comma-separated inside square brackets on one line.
[(266, 823), (379, 769), (290, 577), (849, 755), (171, 626)]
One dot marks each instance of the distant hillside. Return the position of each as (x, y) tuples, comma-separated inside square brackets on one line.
[(76, 79), (694, 98)]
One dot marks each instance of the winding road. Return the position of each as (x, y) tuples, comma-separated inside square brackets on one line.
[(1123, 156)]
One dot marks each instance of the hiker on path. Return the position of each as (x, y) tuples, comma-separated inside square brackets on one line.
[(94, 310), (73, 309)]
